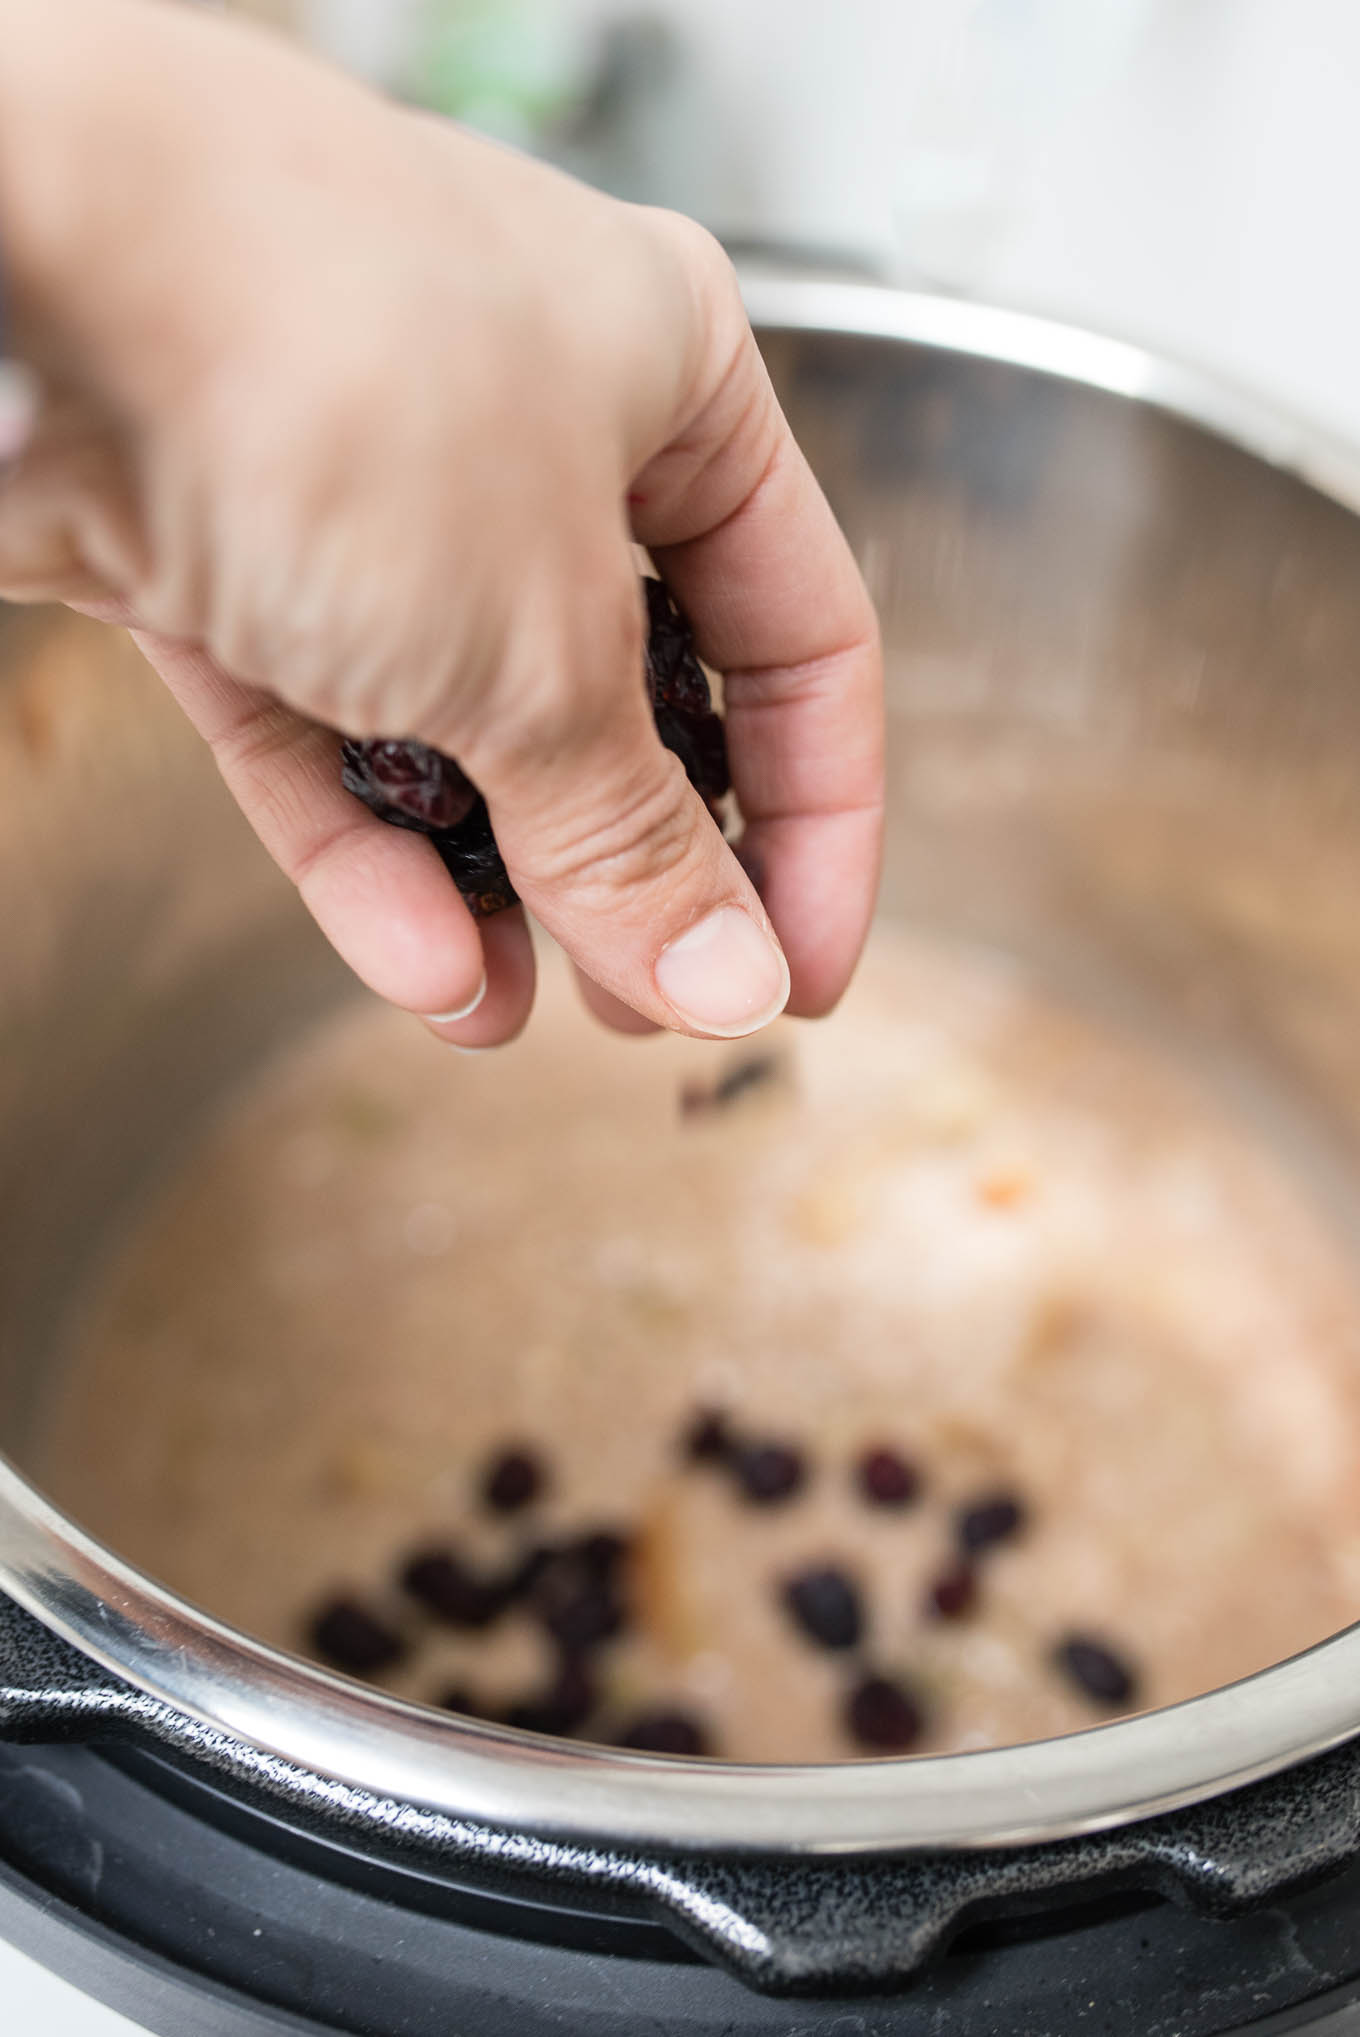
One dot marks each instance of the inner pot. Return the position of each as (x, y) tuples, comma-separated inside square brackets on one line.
[(1118, 609)]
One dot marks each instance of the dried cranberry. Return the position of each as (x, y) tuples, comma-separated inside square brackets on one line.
[(665, 1733), (526, 1569), (881, 1714), (407, 784), (768, 1472), (754, 1073), (424, 789), (887, 1479), (345, 1634), (562, 1707), (459, 1699), (1096, 1670), (954, 1592), (413, 786), (446, 1587), (983, 1523), (826, 1605), (513, 1480), (603, 1551), (580, 1605), (707, 1440)]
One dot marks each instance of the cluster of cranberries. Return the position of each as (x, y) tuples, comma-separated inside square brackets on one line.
[(412, 786), (826, 1605), (575, 1588)]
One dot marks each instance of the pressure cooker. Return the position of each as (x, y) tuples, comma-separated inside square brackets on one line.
[(1121, 604)]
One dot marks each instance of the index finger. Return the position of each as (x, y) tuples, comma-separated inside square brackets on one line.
[(747, 542)]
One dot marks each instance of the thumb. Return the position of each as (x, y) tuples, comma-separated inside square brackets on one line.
[(619, 858)]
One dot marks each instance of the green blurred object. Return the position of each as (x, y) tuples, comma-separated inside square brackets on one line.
[(511, 68)]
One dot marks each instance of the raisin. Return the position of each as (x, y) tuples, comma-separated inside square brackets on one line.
[(561, 1708), (826, 1605), (707, 1440), (412, 786), (513, 1480), (665, 1732), (887, 1479), (768, 1472), (445, 1586), (349, 1637), (983, 1523), (1096, 1670), (954, 1592), (881, 1714)]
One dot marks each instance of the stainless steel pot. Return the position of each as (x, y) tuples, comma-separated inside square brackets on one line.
[(1122, 615)]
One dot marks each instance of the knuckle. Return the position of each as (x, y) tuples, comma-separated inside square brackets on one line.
[(635, 833)]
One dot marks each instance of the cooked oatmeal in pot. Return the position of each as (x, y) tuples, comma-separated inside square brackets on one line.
[(944, 1374)]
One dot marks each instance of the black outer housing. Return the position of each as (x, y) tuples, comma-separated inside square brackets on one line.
[(204, 1889)]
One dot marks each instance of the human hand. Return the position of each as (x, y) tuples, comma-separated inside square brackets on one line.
[(354, 418)]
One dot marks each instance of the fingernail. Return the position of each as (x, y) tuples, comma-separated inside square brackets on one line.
[(446, 1018), (726, 976), (468, 1050)]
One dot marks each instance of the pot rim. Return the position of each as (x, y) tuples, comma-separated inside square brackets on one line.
[(1096, 1780)]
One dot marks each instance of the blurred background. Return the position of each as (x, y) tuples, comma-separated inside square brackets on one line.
[(1178, 172)]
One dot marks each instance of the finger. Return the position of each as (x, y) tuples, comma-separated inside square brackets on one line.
[(611, 1011), (608, 844), (744, 537), (379, 894), (509, 999)]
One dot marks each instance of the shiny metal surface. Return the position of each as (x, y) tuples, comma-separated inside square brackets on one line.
[(1122, 613)]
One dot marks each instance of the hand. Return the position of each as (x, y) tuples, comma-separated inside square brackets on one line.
[(355, 418)]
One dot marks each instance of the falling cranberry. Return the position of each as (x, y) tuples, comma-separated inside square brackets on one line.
[(563, 1707), (444, 1585), (665, 1733), (881, 1714), (1096, 1670), (984, 1523), (349, 1637), (887, 1479), (512, 1480), (826, 1605), (954, 1592), (756, 1072), (768, 1472), (708, 1439)]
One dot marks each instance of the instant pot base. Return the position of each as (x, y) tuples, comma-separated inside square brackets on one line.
[(259, 1876), (1124, 728)]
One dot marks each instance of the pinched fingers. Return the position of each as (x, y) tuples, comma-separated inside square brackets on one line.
[(379, 894)]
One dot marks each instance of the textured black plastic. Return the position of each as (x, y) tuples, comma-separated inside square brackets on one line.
[(198, 1929), (785, 1927)]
